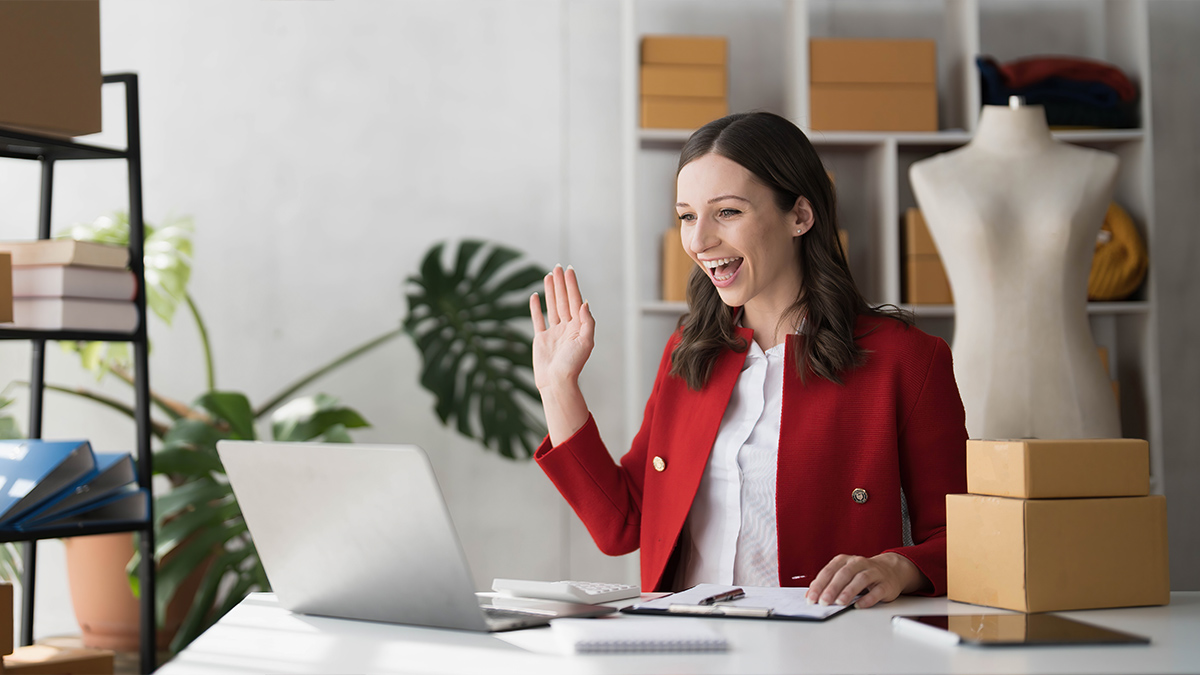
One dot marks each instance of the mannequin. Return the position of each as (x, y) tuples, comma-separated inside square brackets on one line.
[(1015, 214)]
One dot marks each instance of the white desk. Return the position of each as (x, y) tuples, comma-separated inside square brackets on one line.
[(260, 637)]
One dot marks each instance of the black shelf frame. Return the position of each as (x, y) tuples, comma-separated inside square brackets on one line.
[(47, 151)]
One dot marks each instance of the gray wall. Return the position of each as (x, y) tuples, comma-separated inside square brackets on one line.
[(1174, 27), (322, 147)]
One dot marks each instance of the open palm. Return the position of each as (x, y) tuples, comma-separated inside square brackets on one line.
[(563, 338)]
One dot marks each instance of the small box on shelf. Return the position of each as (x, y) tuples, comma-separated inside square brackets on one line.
[(873, 85), (683, 81), (6, 288), (925, 281), (676, 267), (50, 67)]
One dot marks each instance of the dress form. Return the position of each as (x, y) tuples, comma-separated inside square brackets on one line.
[(1014, 214)]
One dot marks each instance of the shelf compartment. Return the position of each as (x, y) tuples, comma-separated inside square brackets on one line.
[(65, 335), (18, 145), (76, 531)]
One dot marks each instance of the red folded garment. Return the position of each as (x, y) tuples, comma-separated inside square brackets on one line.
[(1030, 71)]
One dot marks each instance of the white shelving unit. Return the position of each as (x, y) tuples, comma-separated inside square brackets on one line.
[(768, 70)]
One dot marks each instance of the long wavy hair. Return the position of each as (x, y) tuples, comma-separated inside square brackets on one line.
[(781, 157)]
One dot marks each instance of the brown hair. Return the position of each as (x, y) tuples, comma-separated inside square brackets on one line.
[(781, 157)]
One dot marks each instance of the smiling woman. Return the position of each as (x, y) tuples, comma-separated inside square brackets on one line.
[(795, 435)]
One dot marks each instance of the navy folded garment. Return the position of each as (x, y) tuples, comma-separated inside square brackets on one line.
[(1067, 102)]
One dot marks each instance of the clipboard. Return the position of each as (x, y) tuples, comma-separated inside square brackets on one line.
[(780, 604)]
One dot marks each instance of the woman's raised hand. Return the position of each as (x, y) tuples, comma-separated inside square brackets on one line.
[(562, 339)]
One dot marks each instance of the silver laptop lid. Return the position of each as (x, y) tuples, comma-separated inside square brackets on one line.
[(354, 531)]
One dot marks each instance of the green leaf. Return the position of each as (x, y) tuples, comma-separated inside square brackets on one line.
[(173, 570), (233, 408), (306, 418), (199, 614), (180, 460), (188, 496), (474, 360), (193, 433)]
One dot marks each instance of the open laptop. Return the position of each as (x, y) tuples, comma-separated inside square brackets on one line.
[(362, 532)]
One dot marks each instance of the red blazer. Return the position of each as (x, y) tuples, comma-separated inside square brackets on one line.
[(897, 422)]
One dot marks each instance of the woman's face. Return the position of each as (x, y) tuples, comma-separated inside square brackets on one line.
[(732, 227)]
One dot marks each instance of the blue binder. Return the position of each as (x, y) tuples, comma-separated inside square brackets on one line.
[(34, 471), (130, 504), (113, 472)]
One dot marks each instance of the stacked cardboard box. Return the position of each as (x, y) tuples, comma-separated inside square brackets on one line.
[(925, 281), (45, 659), (1055, 525), (6, 294), (50, 66), (873, 85), (684, 81)]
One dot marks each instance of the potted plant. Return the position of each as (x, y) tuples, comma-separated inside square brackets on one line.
[(474, 361)]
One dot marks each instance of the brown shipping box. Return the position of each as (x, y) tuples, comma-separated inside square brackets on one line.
[(676, 267), (692, 50), (873, 85), (50, 660), (925, 281), (50, 66), (6, 289), (678, 112), (1050, 469), (917, 238), (677, 80), (1047, 555)]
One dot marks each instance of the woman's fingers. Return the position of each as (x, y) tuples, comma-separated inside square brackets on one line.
[(560, 295), (551, 305), (573, 295), (818, 585), (587, 324), (535, 313)]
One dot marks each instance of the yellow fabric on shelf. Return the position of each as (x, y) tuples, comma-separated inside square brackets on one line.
[(1121, 260)]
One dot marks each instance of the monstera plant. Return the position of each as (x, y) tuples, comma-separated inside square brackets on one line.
[(469, 321), (475, 361)]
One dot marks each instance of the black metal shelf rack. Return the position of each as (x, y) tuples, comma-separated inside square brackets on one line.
[(48, 151)]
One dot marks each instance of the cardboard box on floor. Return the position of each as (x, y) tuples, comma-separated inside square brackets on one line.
[(873, 85), (50, 66), (45, 659), (1055, 469), (6, 619), (1047, 555)]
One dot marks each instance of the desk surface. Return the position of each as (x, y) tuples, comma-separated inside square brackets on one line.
[(259, 636)]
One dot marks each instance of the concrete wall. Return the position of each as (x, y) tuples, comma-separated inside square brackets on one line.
[(322, 147)]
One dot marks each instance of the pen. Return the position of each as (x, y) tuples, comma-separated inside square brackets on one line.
[(723, 596)]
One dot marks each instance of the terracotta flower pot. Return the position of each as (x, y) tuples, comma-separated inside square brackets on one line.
[(108, 614)]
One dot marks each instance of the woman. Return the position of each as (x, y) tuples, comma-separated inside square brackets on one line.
[(794, 435)]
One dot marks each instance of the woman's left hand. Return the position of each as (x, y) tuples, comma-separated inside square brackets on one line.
[(883, 578)]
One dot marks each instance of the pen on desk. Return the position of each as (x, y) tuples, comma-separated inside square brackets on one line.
[(723, 596)]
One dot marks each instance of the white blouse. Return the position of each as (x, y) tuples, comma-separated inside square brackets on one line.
[(730, 534)]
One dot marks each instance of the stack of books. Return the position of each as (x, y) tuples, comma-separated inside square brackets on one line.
[(57, 484), (64, 284)]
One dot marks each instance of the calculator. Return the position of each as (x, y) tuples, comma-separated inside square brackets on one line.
[(585, 592)]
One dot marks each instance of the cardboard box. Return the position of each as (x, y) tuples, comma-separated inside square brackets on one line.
[(684, 50), (677, 112), (49, 660), (6, 289), (873, 85), (1055, 469), (925, 281), (676, 267), (917, 238), (1046, 555), (676, 80), (6, 618), (873, 108), (50, 66)]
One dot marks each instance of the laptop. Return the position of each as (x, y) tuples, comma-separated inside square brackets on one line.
[(362, 532)]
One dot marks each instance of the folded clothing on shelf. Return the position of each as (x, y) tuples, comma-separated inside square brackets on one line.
[(1074, 91)]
